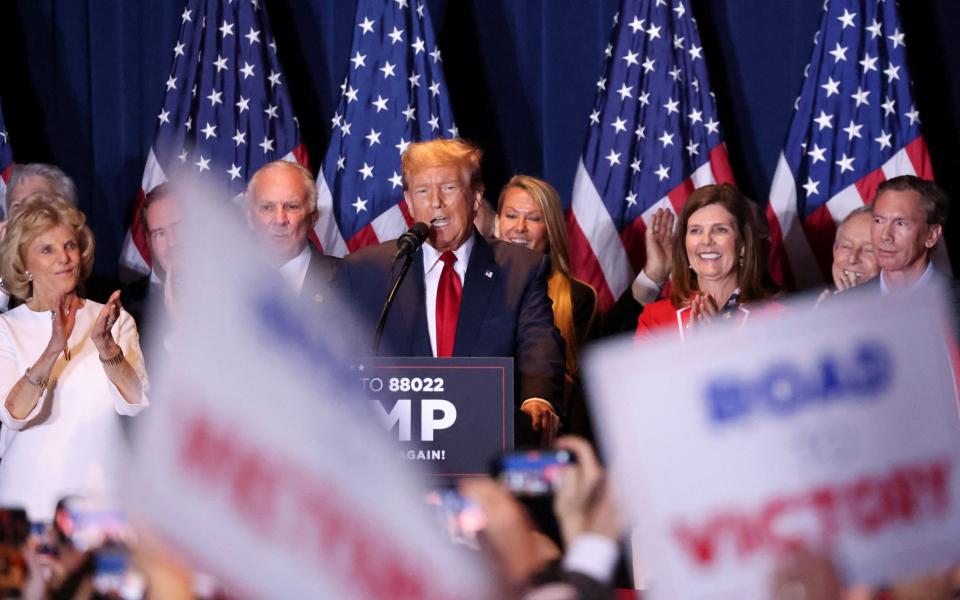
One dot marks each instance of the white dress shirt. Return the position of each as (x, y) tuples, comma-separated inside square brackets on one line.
[(294, 271), (644, 290), (927, 276), (594, 555), (432, 267)]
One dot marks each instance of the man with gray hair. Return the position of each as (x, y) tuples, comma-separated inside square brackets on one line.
[(30, 178), (281, 207), (854, 257)]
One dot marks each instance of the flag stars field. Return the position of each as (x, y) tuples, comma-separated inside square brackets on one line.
[(857, 73), (394, 57), (652, 57)]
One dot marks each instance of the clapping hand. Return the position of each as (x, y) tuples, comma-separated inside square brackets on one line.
[(64, 317), (703, 309), (102, 334)]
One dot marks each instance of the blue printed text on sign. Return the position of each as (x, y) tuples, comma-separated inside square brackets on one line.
[(784, 388)]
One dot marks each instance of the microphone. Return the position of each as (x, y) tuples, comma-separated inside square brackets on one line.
[(411, 241), (408, 243)]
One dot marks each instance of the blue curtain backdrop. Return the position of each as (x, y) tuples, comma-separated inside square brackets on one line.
[(83, 80)]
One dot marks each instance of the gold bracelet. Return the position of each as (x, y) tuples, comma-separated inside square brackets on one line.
[(114, 360), (40, 383)]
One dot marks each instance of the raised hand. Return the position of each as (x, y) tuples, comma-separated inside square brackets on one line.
[(659, 239), (583, 501)]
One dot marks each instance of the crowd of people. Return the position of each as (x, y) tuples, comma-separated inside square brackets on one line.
[(485, 283)]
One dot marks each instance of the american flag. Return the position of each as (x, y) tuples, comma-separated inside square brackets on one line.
[(653, 138), (854, 125), (226, 111), (6, 166), (394, 94)]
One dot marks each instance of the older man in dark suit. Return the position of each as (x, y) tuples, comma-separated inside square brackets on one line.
[(464, 296), (282, 210)]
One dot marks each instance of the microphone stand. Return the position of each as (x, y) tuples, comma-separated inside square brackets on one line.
[(407, 261)]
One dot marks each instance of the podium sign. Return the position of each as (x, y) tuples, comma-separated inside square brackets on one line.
[(450, 415)]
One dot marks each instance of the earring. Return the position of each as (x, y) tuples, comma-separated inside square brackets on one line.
[(29, 275)]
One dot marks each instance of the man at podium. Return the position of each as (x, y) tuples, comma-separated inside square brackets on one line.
[(464, 295)]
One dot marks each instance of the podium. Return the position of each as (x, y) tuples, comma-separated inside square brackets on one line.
[(449, 415)]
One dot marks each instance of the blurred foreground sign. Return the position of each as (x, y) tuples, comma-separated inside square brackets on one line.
[(835, 430), (262, 464)]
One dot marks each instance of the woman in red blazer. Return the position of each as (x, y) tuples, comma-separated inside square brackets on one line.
[(717, 268)]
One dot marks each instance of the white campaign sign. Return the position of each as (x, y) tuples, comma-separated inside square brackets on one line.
[(261, 462), (835, 430)]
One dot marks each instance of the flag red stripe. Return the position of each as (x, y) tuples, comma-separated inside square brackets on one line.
[(138, 229), (679, 194), (720, 165), (821, 230), (587, 266), (633, 242), (300, 153), (920, 157), (315, 240), (365, 237), (406, 213), (777, 264), (867, 186)]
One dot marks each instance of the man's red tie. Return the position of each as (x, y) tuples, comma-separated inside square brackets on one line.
[(448, 305)]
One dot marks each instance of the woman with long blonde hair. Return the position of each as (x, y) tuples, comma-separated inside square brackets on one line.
[(530, 214)]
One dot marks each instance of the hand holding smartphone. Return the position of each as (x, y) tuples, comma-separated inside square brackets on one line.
[(532, 473)]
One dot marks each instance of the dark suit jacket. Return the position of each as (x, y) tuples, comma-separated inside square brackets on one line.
[(578, 421), (143, 299), (584, 300), (950, 285), (321, 276), (504, 311)]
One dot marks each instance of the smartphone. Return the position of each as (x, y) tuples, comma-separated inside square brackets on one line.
[(462, 518), (114, 575), (14, 529), (532, 472), (88, 524)]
